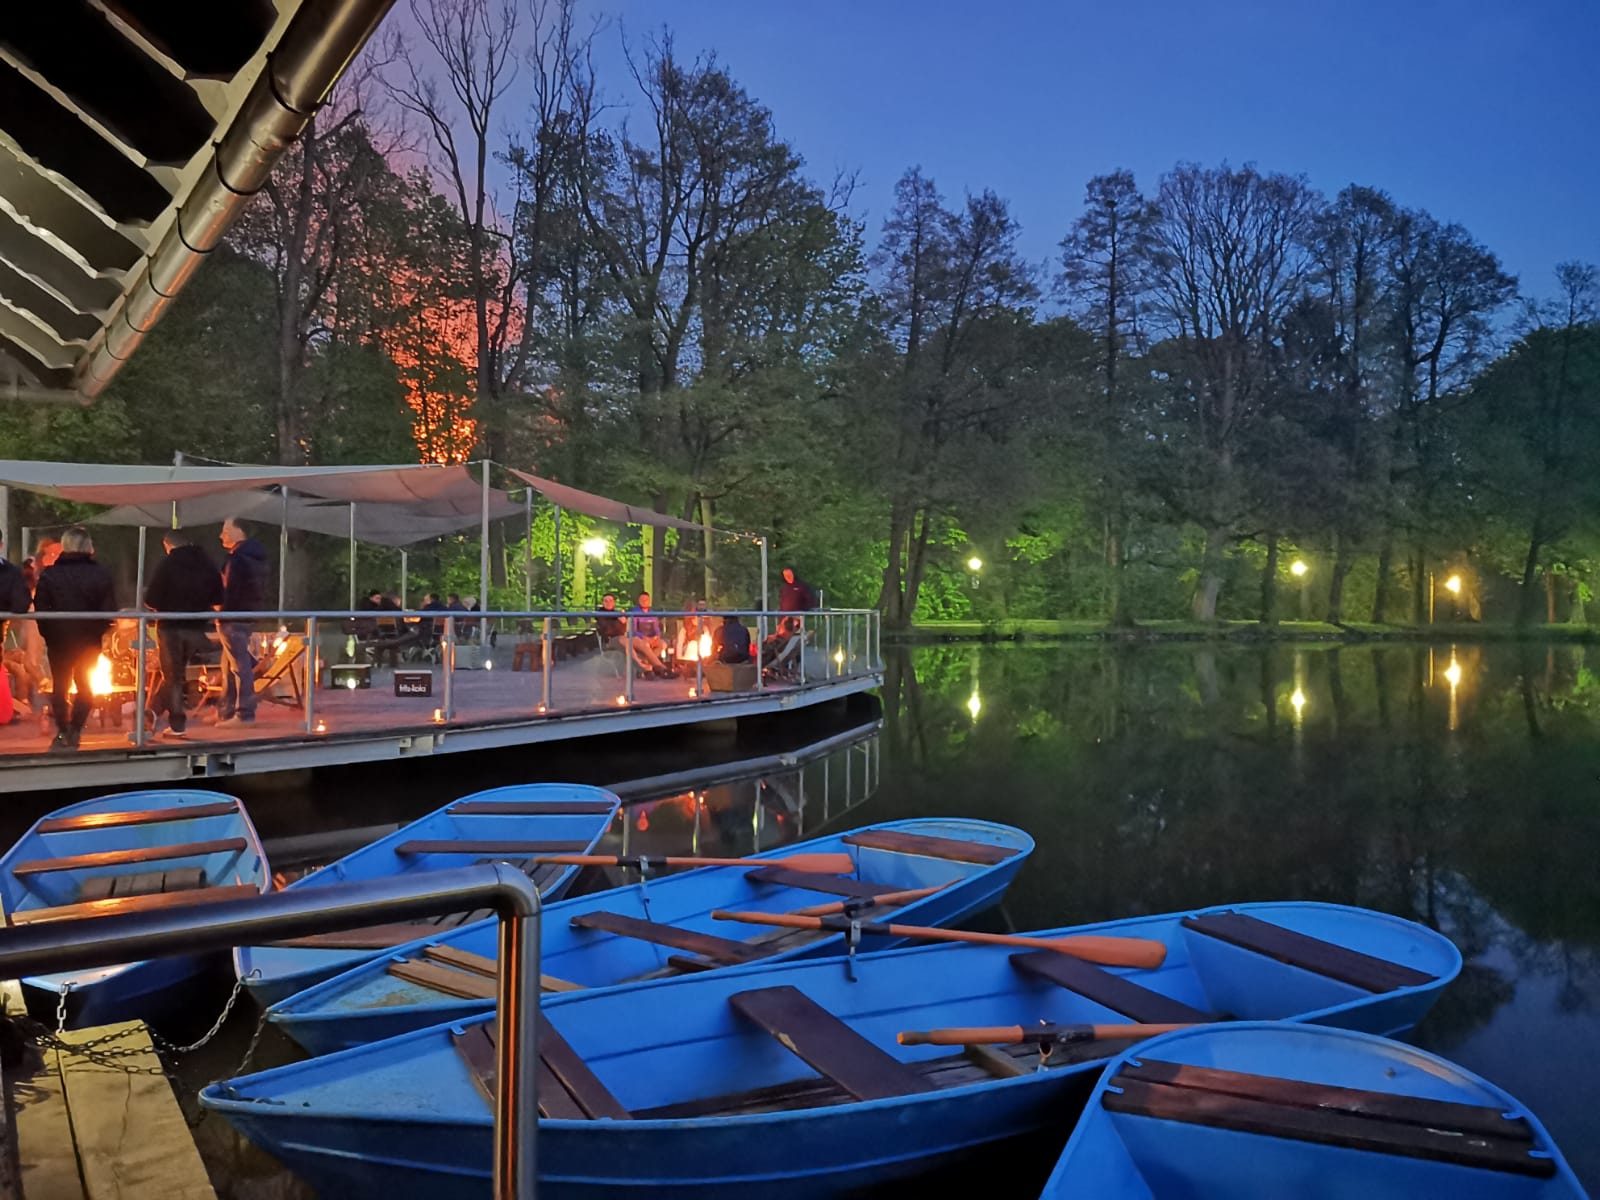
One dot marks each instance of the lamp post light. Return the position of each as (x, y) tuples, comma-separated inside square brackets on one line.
[(595, 548), (1302, 572), (1452, 585), (974, 564)]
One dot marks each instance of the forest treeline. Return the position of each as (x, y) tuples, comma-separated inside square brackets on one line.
[(646, 292)]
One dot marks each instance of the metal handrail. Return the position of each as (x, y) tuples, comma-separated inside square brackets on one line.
[(51, 947)]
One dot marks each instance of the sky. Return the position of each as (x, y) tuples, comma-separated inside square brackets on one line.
[(1484, 112)]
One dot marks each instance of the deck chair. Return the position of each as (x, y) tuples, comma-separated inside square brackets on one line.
[(270, 672), (611, 651)]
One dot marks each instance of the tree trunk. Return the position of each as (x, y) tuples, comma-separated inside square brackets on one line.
[(1550, 588), (1210, 584), (1118, 615), (1526, 598), (1342, 562), (1380, 598), (1269, 584), (889, 596), (1421, 591), (916, 566)]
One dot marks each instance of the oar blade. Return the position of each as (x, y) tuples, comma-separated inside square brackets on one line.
[(1144, 953), (814, 864)]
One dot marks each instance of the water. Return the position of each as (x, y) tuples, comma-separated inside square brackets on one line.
[(1163, 777)]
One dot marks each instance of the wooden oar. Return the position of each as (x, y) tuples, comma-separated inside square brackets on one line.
[(815, 864), (1016, 1035), (857, 903), (1107, 951)]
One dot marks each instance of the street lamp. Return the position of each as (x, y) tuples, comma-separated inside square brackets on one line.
[(1297, 568), (595, 547), (974, 564), (1453, 585), (1302, 572)]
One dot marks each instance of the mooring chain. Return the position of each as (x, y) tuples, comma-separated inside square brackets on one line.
[(233, 996)]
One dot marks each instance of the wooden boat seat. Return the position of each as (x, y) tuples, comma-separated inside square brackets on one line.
[(117, 858), (568, 1089), (832, 885), (530, 808), (1116, 992), (929, 847), (465, 975), (181, 879), (502, 849), (827, 1045), (1440, 1131), (369, 937), (720, 950), (119, 905), (148, 816), (1308, 953)]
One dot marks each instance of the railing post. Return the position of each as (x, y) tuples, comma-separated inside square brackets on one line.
[(828, 664), (313, 673), (627, 651), (139, 697), (449, 667), (850, 644), (516, 1108), (802, 652), (761, 680), (544, 657), (699, 676)]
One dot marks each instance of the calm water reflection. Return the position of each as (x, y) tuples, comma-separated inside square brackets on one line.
[(1457, 789)]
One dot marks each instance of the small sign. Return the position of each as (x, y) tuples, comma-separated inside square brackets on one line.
[(413, 683)]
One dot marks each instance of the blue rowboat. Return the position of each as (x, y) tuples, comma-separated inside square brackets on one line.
[(129, 852), (787, 1080), (1257, 1111), (508, 824), (664, 928)]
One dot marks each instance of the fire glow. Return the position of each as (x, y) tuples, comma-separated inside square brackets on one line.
[(700, 648)]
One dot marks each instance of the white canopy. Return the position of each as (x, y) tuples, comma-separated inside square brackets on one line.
[(94, 483), (574, 500)]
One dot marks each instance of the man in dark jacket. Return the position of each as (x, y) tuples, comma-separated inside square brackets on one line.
[(796, 595), (244, 590), (75, 583), (185, 581), (731, 643)]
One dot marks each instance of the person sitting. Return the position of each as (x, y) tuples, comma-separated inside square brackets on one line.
[(645, 642), (16, 598), (366, 628), (783, 645), (433, 630), (731, 642), (609, 629), (74, 583), (693, 625), (186, 580)]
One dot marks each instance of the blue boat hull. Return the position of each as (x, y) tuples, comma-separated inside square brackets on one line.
[(274, 973), (1127, 1156), (366, 1004), (140, 989), (406, 1113)]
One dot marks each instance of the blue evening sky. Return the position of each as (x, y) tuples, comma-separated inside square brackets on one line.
[(1485, 112)]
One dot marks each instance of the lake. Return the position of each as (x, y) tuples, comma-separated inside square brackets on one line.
[(1459, 787)]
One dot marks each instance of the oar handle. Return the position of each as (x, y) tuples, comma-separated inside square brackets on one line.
[(1049, 1035), (982, 1035), (861, 903)]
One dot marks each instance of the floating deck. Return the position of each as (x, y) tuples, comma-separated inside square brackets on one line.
[(491, 709)]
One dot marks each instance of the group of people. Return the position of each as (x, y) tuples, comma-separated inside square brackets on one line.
[(389, 636), (64, 577)]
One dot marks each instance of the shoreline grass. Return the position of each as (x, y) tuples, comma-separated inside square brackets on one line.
[(1233, 630)]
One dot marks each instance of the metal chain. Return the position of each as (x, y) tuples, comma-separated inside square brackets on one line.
[(161, 1043)]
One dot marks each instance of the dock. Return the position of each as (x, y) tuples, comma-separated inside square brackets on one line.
[(84, 1128)]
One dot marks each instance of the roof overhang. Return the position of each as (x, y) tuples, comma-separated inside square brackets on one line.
[(132, 133)]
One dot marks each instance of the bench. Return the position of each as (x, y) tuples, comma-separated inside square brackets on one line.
[(465, 975), (129, 904), (452, 846), (1306, 952), (1441, 1131), (105, 887), (827, 1045), (568, 1089), (369, 937), (117, 858), (724, 951), (148, 816), (833, 885), (1116, 992), (530, 808), (929, 847)]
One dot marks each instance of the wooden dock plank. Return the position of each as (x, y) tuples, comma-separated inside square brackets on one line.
[(132, 1139), (36, 1106)]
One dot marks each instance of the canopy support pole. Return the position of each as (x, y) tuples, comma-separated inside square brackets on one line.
[(483, 545), (283, 551), (405, 572), (560, 581), (527, 555), (352, 556), (765, 604), (138, 575)]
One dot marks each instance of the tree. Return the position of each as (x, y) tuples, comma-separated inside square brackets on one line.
[(1231, 257), (1106, 264)]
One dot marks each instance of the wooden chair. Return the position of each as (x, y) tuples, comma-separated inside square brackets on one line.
[(270, 672)]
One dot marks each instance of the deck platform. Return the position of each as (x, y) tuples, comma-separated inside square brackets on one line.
[(85, 1130), (492, 709)]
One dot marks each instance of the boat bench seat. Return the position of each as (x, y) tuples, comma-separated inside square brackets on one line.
[(827, 1045), (181, 879), (1308, 953), (831, 885), (138, 854), (118, 905), (1470, 1135), (462, 974), (501, 850), (922, 844), (530, 808), (148, 816), (1116, 992), (568, 1089), (725, 951)]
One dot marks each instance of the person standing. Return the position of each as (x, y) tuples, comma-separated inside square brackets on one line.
[(244, 590), (187, 581), (75, 583), (796, 594)]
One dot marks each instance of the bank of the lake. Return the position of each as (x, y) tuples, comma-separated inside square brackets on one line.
[(1027, 629)]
